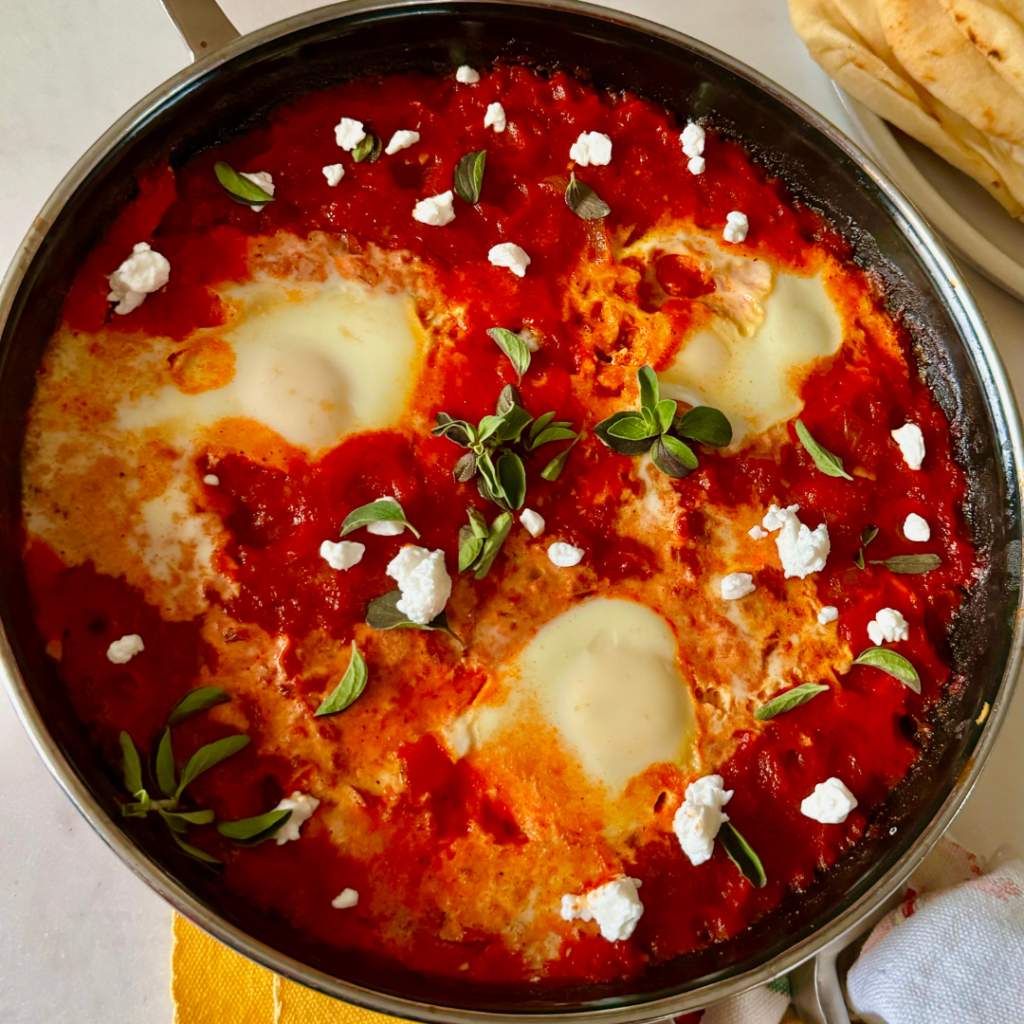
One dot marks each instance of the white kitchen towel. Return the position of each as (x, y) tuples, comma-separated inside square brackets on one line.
[(953, 950)]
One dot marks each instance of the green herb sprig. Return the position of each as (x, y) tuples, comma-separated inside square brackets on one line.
[(891, 663), (349, 689), (368, 149), (382, 613), (790, 699), (384, 510), (492, 458), (829, 464), (584, 201), (479, 543), (240, 188), (656, 428), (742, 854), (469, 176), (867, 535)]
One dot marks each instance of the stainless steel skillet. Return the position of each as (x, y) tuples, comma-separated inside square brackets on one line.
[(238, 82)]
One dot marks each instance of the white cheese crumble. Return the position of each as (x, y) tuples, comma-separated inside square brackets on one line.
[(700, 817), (333, 173), (435, 210), (533, 521), (120, 652), (402, 139), (801, 550), (830, 803), (692, 139), (467, 75), (916, 528), (696, 165), (736, 226), (737, 585), (615, 906), (423, 580), (495, 117), (211, 480), (829, 613), (386, 527), (565, 555), (756, 533), (530, 338), (264, 180), (508, 254), (911, 442), (889, 626), (345, 899), (302, 806), (348, 133), (591, 148), (343, 554), (144, 272)]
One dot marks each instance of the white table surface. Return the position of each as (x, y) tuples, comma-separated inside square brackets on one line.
[(82, 940)]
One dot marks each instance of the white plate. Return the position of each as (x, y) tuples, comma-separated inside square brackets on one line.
[(974, 225)]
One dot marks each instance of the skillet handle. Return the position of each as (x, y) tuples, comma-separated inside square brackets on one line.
[(817, 992), (202, 24)]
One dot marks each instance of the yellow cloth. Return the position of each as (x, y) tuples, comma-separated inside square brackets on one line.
[(212, 984)]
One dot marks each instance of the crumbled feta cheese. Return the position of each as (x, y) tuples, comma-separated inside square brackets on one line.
[(533, 521), (401, 140), (615, 906), (756, 533), (530, 338), (565, 555), (144, 272), (696, 165), (591, 148), (466, 75), (830, 803), (737, 585), (348, 133), (435, 210), (801, 550), (916, 528), (264, 180), (342, 555), (120, 652), (508, 254), (692, 139), (495, 117), (889, 626), (423, 580), (736, 226), (345, 899), (333, 173), (302, 806), (386, 527), (211, 480), (829, 613), (700, 816), (911, 442)]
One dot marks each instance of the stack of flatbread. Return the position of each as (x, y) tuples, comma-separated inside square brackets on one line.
[(948, 72)]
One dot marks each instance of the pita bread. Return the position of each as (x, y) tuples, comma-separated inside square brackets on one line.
[(995, 34), (927, 43), (878, 80)]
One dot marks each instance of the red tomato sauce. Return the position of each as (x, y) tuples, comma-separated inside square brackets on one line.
[(866, 733)]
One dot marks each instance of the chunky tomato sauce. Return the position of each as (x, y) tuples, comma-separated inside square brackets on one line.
[(867, 731)]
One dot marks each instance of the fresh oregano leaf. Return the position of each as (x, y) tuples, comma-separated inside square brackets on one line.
[(194, 851), (910, 564), (649, 392), (179, 821), (858, 559), (514, 347), (369, 148), (706, 426), (829, 464), (621, 444), (512, 425), (665, 412), (584, 201), (139, 809), (132, 766), (255, 830), (487, 481), (382, 613), (385, 510), (512, 477), (195, 701), (206, 757), (241, 189), (459, 431), (539, 424), (867, 535), (790, 699), (553, 470), (352, 684), (672, 457), (632, 427), (492, 545), (469, 176), (166, 776), (554, 433), (892, 664), (509, 397), (471, 539), (465, 468), (742, 855)]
